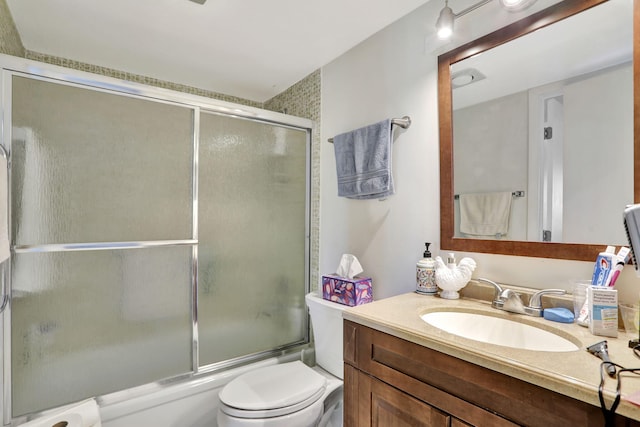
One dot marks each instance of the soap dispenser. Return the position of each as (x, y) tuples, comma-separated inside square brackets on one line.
[(426, 274), (451, 260)]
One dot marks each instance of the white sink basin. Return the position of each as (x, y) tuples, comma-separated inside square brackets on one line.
[(498, 331)]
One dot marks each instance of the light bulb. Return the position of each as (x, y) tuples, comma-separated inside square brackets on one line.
[(444, 24)]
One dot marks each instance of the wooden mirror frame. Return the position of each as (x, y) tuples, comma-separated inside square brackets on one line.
[(570, 251)]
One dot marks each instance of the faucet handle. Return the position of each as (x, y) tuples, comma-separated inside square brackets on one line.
[(498, 288), (536, 299)]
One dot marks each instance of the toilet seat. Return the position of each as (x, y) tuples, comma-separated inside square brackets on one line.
[(272, 391)]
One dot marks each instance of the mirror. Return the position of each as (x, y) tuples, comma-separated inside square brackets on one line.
[(555, 190)]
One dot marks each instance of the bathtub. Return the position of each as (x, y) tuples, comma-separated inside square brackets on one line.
[(188, 403)]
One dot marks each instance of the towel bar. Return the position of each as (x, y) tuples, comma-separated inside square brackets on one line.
[(403, 122), (518, 193)]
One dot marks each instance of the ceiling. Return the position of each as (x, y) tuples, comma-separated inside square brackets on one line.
[(593, 40), (253, 49)]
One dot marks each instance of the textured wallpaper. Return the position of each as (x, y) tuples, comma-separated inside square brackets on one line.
[(10, 42), (303, 100), (123, 75)]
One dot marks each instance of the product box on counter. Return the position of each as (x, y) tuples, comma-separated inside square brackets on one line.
[(347, 291), (603, 309)]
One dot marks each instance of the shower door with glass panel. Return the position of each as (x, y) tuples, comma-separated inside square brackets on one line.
[(152, 240)]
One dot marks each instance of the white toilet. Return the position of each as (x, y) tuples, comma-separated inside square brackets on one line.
[(293, 394)]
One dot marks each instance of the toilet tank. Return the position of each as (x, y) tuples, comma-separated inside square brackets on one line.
[(326, 320)]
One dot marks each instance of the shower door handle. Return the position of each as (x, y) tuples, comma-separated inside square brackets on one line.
[(3, 272), (5, 294)]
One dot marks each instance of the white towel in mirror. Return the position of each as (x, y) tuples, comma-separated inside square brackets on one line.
[(485, 214)]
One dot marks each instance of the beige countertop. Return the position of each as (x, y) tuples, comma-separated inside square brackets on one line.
[(575, 373)]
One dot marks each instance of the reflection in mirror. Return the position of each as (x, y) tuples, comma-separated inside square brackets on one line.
[(548, 116), (537, 134)]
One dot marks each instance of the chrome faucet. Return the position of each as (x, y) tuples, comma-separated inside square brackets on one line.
[(535, 302), (509, 300), (505, 299)]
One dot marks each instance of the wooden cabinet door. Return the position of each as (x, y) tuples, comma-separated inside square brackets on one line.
[(457, 423), (393, 408)]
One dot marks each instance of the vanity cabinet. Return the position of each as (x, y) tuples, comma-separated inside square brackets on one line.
[(391, 382), (386, 406), (391, 407)]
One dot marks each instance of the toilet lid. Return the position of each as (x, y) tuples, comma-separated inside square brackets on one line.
[(274, 387)]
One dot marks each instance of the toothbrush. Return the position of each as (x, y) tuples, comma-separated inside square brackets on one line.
[(622, 258)]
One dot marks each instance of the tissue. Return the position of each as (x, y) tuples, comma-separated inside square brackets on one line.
[(344, 286), (349, 266)]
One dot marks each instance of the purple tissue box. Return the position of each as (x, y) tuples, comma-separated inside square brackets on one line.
[(346, 291)]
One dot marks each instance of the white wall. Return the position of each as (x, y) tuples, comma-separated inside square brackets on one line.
[(386, 76), (490, 154), (598, 119), (390, 75)]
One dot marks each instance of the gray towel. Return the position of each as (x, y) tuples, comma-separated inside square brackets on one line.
[(363, 162)]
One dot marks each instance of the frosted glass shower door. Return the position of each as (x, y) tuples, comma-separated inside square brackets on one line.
[(112, 230), (252, 220), (93, 174)]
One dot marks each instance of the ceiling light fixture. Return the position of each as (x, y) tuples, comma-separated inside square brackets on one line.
[(466, 77), (444, 24), (446, 19), (516, 5)]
